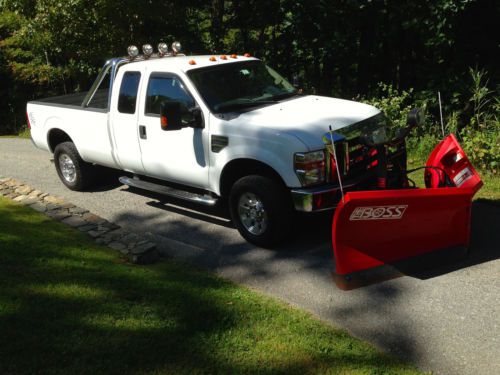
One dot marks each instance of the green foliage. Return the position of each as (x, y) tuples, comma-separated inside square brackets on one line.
[(481, 134), (394, 103), (483, 147), (345, 49), (478, 127)]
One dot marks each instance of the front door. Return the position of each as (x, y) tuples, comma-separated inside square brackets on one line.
[(177, 155)]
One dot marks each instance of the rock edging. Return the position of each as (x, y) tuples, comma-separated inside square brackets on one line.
[(139, 249)]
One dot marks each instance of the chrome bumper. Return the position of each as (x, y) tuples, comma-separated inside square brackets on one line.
[(303, 199)]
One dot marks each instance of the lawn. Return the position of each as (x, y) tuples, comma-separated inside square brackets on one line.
[(69, 306)]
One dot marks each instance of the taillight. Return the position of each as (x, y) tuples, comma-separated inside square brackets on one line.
[(28, 120)]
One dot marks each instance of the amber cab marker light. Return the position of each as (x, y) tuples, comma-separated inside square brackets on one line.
[(234, 56), (164, 122), (212, 58), (192, 62), (223, 57), (247, 55)]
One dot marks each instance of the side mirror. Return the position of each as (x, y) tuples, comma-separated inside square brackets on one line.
[(415, 118), (198, 121), (171, 115)]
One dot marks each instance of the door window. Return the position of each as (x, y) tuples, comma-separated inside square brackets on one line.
[(165, 88), (128, 92)]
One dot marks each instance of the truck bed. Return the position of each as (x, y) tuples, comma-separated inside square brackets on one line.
[(99, 101)]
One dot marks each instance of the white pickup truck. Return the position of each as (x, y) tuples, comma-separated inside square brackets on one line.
[(203, 128)]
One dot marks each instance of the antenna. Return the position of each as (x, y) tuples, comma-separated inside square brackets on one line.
[(441, 112), (336, 163)]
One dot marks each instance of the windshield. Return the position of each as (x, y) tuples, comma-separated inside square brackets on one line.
[(228, 87)]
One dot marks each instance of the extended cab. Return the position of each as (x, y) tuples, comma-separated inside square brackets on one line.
[(203, 128)]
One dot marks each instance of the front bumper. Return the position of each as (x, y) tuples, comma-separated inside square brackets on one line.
[(319, 198)]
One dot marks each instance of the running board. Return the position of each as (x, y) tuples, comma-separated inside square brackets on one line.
[(171, 192)]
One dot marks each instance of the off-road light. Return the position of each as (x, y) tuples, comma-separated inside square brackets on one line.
[(133, 51), (162, 48), (147, 49), (176, 47)]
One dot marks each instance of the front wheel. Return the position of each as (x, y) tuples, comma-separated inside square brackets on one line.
[(261, 210), (75, 173)]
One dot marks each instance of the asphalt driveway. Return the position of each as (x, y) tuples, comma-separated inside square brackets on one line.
[(446, 320)]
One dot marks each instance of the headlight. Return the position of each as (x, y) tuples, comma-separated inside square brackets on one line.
[(310, 167)]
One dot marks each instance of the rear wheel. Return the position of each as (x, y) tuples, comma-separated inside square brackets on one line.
[(261, 210), (75, 173)]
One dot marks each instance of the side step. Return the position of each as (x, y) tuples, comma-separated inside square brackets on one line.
[(206, 200)]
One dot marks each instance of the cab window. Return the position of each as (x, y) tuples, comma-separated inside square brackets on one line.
[(128, 92), (165, 88)]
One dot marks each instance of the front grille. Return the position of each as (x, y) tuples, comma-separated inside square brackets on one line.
[(354, 159)]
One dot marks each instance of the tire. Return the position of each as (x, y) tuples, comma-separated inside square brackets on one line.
[(261, 210), (74, 173)]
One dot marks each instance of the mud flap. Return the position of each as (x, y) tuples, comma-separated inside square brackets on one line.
[(372, 229)]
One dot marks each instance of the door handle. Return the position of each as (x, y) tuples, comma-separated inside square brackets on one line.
[(142, 132)]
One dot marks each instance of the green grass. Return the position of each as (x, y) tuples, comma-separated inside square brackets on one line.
[(68, 306)]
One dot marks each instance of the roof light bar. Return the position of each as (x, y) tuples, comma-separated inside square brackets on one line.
[(176, 47), (133, 52), (147, 49), (162, 49)]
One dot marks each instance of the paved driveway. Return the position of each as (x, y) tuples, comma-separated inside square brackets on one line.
[(446, 321)]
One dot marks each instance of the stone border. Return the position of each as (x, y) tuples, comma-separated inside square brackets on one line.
[(139, 249)]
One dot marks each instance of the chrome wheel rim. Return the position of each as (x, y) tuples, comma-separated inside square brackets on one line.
[(252, 214), (67, 167)]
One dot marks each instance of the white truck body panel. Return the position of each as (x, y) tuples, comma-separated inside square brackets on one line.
[(87, 128)]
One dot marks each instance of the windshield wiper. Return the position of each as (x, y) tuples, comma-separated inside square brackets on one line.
[(236, 105)]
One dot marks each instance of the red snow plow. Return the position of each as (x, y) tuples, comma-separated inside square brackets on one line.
[(374, 232)]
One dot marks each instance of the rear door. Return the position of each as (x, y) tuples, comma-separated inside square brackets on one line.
[(124, 119), (177, 155)]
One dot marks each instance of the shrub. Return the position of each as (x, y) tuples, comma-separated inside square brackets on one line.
[(476, 124)]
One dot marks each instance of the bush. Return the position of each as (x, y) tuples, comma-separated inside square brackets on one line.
[(482, 147), (476, 124)]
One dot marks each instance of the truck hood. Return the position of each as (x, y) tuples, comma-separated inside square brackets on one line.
[(308, 117)]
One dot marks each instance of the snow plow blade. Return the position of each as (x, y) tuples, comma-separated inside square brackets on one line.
[(375, 229)]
